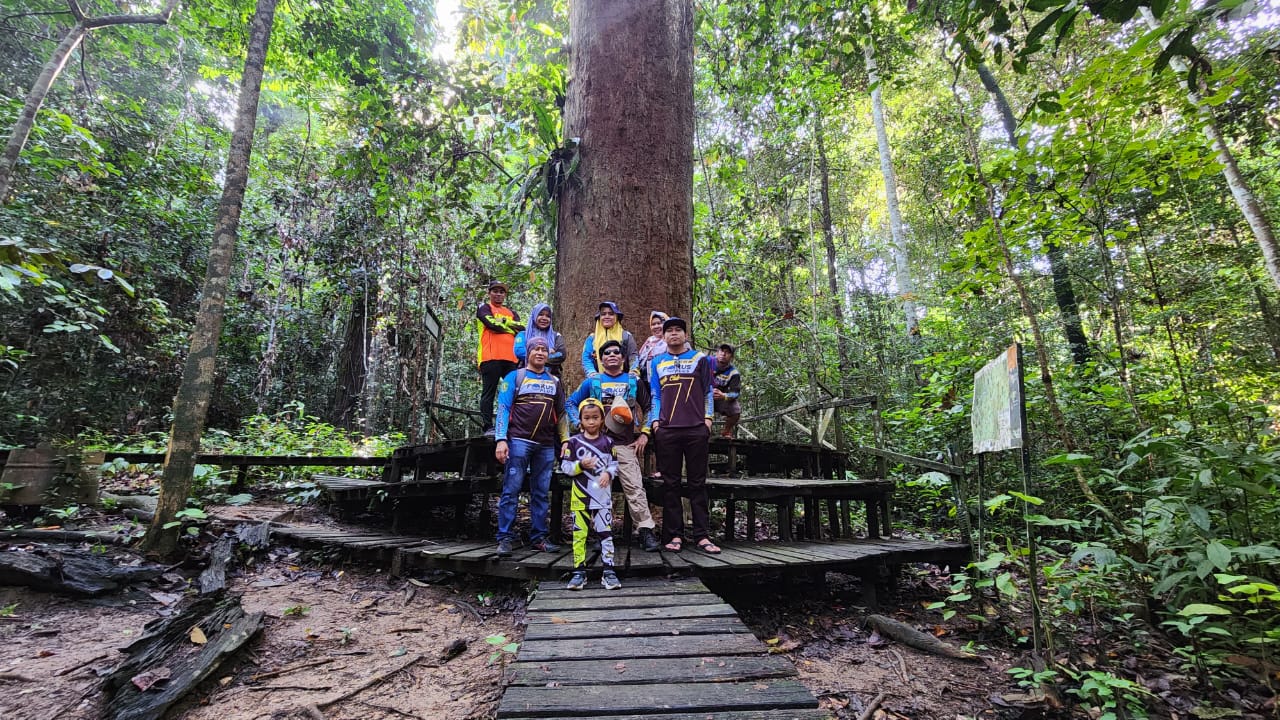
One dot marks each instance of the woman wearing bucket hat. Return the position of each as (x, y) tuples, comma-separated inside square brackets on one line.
[(608, 327)]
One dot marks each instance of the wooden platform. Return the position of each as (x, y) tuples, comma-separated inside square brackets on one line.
[(474, 456), (850, 556), (404, 501), (654, 649)]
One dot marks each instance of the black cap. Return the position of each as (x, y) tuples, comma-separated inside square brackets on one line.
[(675, 322), (497, 284), (727, 348)]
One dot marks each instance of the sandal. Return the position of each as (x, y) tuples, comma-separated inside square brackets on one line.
[(673, 545), (708, 547)]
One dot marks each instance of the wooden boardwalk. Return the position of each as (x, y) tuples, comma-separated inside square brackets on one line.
[(652, 650)]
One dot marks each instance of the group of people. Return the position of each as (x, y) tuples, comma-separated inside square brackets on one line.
[(662, 392)]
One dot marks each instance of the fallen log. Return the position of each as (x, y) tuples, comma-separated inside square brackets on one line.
[(171, 645), (214, 577), (66, 536), (133, 502), (67, 570), (911, 637)]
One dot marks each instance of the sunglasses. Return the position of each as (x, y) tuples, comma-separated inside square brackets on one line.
[(611, 351)]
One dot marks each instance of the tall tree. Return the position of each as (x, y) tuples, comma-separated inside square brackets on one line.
[(1243, 195), (191, 405), (834, 285), (40, 89), (1064, 293), (626, 216), (898, 235)]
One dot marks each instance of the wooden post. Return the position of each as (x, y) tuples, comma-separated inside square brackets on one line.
[(882, 463), (557, 511), (833, 518), (730, 518), (873, 519), (751, 521)]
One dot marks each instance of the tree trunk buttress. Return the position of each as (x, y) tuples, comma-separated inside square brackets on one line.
[(191, 405), (626, 215), (1064, 293)]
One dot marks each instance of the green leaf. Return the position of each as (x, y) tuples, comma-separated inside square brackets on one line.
[(1218, 554), (1029, 499), (1067, 458), (1203, 609)]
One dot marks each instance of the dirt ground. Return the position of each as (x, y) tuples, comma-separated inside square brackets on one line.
[(329, 626)]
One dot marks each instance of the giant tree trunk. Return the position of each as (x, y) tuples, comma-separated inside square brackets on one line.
[(1064, 293), (626, 216), (191, 404), (1236, 181), (40, 89), (906, 287)]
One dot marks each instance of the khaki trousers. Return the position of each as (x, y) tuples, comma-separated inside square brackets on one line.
[(633, 485)]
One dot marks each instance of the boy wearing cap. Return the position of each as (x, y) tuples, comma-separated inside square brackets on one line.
[(680, 423), (496, 355), (608, 327), (588, 459), (628, 443), (530, 419), (728, 385)]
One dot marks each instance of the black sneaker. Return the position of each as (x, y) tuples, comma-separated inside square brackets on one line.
[(545, 545), (577, 581), (610, 580), (504, 547), (649, 541)]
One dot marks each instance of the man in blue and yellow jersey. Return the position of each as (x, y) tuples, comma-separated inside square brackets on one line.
[(531, 418), (496, 354), (680, 422)]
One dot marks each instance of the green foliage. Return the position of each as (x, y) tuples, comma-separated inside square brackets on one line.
[(503, 648), (296, 611)]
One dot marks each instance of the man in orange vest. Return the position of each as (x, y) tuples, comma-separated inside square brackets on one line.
[(496, 355)]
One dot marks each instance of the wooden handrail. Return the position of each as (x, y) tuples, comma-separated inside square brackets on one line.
[(910, 460)]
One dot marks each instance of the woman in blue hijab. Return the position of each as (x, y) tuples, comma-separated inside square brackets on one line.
[(540, 326)]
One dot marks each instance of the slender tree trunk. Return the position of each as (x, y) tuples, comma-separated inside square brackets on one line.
[(906, 287), (1029, 311), (1064, 293), (191, 405), (1270, 321), (829, 240), (1240, 191), (40, 89), (626, 216), (353, 362), (1113, 290), (1158, 293)]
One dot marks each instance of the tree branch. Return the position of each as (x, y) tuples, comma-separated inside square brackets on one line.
[(15, 16), (160, 18)]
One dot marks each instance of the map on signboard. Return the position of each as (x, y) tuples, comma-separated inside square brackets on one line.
[(997, 404)]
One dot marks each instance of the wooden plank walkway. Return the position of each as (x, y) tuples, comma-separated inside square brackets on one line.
[(852, 556), (652, 650)]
